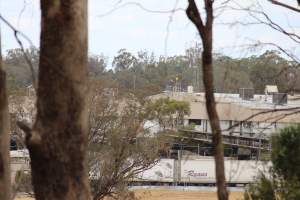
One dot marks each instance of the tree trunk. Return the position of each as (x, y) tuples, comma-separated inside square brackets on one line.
[(207, 68), (206, 33), (5, 178), (57, 142)]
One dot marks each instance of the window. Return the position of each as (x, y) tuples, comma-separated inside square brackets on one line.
[(247, 124), (195, 121)]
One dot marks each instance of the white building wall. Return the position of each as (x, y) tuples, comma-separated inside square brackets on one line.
[(203, 171)]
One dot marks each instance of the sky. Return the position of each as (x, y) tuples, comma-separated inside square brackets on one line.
[(131, 27)]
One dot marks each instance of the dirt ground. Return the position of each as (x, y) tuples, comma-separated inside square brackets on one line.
[(176, 195)]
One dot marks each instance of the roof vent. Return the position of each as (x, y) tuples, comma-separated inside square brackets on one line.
[(190, 89), (246, 93), (271, 89), (279, 98)]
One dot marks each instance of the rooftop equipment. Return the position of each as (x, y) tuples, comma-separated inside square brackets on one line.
[(246, 93), (271, 89), (279, 98)]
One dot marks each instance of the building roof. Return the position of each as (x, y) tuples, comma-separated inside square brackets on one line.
[(232, 107)]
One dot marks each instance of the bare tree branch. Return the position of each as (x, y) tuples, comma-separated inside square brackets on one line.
[(275, 2), (295, 109), (139, 5), (17, 33), (268, 21), (26, 129), (195, 16), (168, 26)]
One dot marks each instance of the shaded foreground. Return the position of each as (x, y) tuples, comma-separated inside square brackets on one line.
[(177, 195)]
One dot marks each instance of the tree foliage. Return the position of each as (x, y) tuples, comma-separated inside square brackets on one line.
[(168, 112), (144, 73), (283, 181), (263, 189), (286, 153)]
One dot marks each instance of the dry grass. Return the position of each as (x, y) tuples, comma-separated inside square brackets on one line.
[(182, 195), (23, 198), (176, 195)]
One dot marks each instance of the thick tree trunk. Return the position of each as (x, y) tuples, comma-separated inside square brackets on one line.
[(57, 142), (206, 32), (5, 178)]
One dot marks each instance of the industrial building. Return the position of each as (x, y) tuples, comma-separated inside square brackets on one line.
[(247, 120)]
